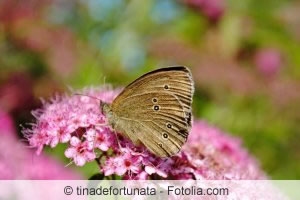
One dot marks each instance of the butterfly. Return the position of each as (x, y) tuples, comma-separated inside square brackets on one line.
[(155, 110)]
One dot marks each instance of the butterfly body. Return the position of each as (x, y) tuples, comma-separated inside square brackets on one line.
[(155, 110)]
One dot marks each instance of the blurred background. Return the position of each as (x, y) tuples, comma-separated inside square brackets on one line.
[(244, 56)]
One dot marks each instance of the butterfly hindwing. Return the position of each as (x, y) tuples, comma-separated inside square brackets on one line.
[(160, 119)]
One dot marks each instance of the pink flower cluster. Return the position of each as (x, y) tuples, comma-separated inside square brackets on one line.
[(77, 120)]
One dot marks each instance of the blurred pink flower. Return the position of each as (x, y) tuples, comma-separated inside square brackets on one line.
[(212, 9), (28, 27), (268, 61), (220, 156), (25, 164), (56, 43), (13, 11), (208, 154), (16, 92), (6, 125)]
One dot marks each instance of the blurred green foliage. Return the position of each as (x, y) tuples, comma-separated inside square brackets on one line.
[(245, 57)]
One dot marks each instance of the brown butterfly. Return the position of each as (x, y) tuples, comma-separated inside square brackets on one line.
[(155, 110)]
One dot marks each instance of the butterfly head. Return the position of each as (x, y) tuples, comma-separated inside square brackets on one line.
[(105, 108)]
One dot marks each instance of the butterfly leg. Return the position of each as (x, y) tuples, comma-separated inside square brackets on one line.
[(112, 130), (70, 163), (102, 124), (120, 147)]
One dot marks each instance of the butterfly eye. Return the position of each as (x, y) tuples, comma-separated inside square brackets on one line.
[(169, 125), (154, 100), (165, 135), (166, 87), (156, 108)]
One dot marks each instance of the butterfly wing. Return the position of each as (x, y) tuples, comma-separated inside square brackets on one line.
[(175, 80), (160, 125), (156, 110)]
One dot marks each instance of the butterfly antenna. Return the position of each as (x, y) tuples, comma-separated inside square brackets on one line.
[(87, 96)]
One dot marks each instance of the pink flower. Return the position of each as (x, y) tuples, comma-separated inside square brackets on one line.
[(268, 61), (212, 9), (109, 167), (26, 165), (208, 154), (80, 152), (216, 155), (154, 170), (65, 116), (126, 161), (101, 138), (6, 124)]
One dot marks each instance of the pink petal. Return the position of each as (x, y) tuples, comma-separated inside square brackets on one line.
[(120, 171), (79, 160), (103, 147), (65, 138), (150, 170), (54, 142), (108, 171), (142, 176), (134, 169), (70, 152), (89, 156), (91, 134), (162, 173), (74, 141)]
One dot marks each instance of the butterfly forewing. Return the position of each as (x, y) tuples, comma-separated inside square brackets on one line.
[(156, 109), (177, 80)]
